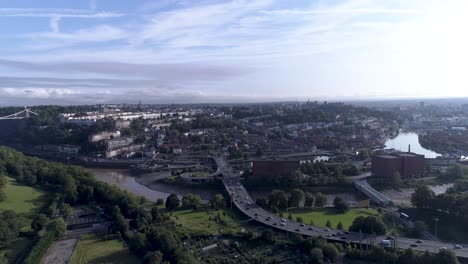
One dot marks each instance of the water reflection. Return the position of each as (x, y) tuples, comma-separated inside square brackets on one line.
[(402, 141)]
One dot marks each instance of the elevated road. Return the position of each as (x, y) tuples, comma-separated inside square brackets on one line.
[(373, 194), (242, 200)]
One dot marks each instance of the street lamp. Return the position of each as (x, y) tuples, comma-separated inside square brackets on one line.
[(436, 220)]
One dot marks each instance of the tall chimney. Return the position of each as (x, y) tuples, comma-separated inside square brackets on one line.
[(409, 148)]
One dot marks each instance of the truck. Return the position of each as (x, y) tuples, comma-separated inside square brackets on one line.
[(385, 243), (404, 216)]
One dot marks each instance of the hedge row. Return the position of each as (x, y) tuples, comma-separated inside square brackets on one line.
[(40, 248)]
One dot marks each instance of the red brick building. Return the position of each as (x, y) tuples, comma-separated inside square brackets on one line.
[(407, 164), (265, 168)]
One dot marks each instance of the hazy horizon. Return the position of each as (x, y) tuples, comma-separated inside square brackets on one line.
[(162, 52)]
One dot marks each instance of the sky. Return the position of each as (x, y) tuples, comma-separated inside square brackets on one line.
[(211, 51)]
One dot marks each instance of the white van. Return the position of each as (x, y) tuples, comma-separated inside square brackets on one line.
[(385, 243)]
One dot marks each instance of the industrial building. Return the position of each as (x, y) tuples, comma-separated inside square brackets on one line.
[(265, 168), (407, 164)]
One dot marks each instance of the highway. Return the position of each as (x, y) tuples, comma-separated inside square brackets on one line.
[(246, 205)]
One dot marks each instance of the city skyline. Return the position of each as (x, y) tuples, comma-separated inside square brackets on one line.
[(230, 51)]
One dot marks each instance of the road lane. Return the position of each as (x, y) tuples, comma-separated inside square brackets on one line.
[(246, 205)]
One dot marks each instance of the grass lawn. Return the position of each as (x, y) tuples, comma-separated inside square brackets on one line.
[(12, 250), (320, 216), (20, 198), (198, 221), (200, 174), (91, 249)]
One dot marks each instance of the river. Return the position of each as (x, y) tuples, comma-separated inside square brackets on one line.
[(402, 141), (144, 186)]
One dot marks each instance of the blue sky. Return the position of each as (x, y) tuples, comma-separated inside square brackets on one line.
[(169, 51)]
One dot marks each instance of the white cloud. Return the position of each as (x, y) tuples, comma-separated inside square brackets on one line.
[(52, 12), (39, 93)]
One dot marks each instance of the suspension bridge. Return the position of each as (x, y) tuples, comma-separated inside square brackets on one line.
[(26, 113)]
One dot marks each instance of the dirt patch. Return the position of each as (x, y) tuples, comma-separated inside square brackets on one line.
[(60, 251)]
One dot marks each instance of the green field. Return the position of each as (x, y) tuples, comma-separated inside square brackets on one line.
[(20, 198), (91, 249), (202, 221), (320, 216)]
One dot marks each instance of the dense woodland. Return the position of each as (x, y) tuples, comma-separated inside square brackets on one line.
[(155, 234)]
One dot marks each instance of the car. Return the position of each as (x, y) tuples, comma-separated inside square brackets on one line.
[(343, 237), (275, 224), (328, 235), (249, 203), (443, 248), (419, 241), (283, 220), (297, 230), (458, 246), (310, 228), (414, 245), (283, 224), (268, 219), (346, 232), (390, 238), (246, 208), (327, 229), (256, 217), (333, 235), (302, 225), (340, 233), (255, 214)]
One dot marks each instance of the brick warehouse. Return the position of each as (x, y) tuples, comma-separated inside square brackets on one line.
[(407, 164), (265, 168)]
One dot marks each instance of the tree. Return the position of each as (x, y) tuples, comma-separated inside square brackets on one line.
[(447, 257), (159, 201), (58, 227), (363, 154), (308, 200), (456, 171), (296, 197), (121, 223), (316, 256), (39, 222), (190, 201), (218, 201), (339, 226), (408, 257), (422, 197), (328, 223), (320, 200), (369, 225), (261, 202), (65, 210), (153, 258), (267, 235), (330, 251), (137, 243), (9, 225), (278, 198), (172, 202), (340, 205), (418, 228)]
